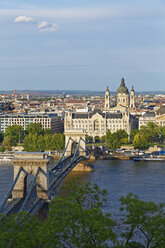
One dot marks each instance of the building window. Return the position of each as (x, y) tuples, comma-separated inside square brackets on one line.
[(96, 125)]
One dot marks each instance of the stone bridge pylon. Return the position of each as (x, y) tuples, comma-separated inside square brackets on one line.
[(34, 164), (75, 137)]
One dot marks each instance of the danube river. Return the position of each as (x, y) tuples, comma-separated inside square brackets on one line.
[(145, 179)]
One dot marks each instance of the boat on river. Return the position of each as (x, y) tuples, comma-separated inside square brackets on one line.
[(150, 158)]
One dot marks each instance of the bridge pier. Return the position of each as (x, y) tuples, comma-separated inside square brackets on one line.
[(30, 164), (77, 136), (83, 166)]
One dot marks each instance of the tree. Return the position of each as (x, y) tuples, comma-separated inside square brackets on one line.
[(16, 231), (76, 219), (2, 148), (47, 131), (15, 132), (35, 128), (140, 142), (151, 132), (37, 143), (31, 143), (40, 143), (144, 223), (89, 139), (58, 141), (48, 142), (122, 134), (114, 140), (103, 138), (107, 138), (162, 135), (133, 133), (8, 142)]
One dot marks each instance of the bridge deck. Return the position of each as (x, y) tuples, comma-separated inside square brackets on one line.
[(31, 204), (56, 176)]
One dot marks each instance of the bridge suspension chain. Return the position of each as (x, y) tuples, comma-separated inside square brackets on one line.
[(11, 189)]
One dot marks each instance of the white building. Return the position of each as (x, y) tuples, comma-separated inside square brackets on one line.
[(97, 123), (123, 97), (50, 121), (157, 117)]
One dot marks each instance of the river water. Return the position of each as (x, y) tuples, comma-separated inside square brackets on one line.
[(145, 179)]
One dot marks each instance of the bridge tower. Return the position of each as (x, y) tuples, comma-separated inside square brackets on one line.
[(30, 163), (75, 136)]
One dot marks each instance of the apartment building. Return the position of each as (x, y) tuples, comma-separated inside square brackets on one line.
[(50, 121)]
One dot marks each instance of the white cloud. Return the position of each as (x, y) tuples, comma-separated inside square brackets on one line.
[(47, 27), (23, 19), (43, 24)]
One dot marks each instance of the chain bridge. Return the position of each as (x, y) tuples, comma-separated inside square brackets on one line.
[(34, 183)]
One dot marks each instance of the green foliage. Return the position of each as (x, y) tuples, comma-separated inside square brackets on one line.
[(31, 143), (162, 135), (140, 142), (48, 142), (35, 128), (76, 220), (8, 142), (122, 134), (47, 131), (107, 137), (19, 231), (2, 148), (39, 139), (114, 140), (145, 222), (133, 133), (58, 141), (36, 143), (151, 132), (89, 139), (15, 132), (103, 138)]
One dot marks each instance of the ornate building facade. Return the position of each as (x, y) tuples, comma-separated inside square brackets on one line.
[(123, 97), (107, 100), (97, 123)]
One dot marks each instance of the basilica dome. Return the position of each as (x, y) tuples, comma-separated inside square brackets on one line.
[(122, 89)]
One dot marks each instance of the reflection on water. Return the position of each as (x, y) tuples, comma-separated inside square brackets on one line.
[(145, 179)]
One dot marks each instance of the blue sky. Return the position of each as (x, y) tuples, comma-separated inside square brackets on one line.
[(72, 44)]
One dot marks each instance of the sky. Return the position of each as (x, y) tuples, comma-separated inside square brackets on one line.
[(82, 45)]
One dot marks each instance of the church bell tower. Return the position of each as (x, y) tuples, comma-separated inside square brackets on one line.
[(107, 100), (132, 98)]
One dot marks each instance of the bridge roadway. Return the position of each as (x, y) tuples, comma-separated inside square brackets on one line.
[(31, 204)]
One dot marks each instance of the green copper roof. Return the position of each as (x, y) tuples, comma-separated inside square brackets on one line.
[(122, 89)]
